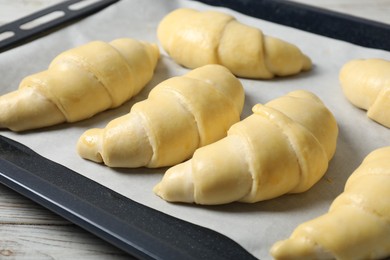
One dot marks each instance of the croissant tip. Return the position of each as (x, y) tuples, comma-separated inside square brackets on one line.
[(2, 120), (157, 190), (88, 145), (164, 192), (176, 185), (298, 248), (307, 63)]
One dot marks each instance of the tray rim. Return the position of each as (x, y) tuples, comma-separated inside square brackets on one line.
[(345, 27)]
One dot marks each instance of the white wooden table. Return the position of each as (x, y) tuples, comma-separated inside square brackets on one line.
[(28, 231)]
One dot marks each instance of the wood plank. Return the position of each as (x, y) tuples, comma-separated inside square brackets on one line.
[(29, 231), (16, 209), (53, 242)]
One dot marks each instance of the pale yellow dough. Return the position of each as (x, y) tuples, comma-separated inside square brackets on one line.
[(179, 115), (195, 39), (357, 225), (366, 84), (80, 83), (283, 147)]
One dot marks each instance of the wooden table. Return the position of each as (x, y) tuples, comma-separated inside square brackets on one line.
[(29, 231)]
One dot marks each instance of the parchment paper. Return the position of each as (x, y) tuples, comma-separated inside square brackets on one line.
[(255, 226)]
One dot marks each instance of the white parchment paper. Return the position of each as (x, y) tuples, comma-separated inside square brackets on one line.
[(255, 226)]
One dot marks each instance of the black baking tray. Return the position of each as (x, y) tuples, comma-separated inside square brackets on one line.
[(139, 230), (363, 32), (20, 35)]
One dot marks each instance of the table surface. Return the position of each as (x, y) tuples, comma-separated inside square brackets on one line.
[(29, 231)]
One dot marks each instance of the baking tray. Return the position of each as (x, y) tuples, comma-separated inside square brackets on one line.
[(139, 230), (70, 11)]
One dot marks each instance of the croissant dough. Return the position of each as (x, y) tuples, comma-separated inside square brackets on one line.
[(179, 115), (79, 83), (195, 39), (296, 129), (357, 225), (366, 84)]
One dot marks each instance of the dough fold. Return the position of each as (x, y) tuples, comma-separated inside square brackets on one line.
[(194, 39), (283, 147), (366, 84), (357, 225), (179, 115), (80, 83)]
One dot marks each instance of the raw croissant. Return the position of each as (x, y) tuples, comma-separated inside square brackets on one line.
[(366, 84), (357, 225), (79, 83), (195, 39), (180, 115), (284, 147)]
